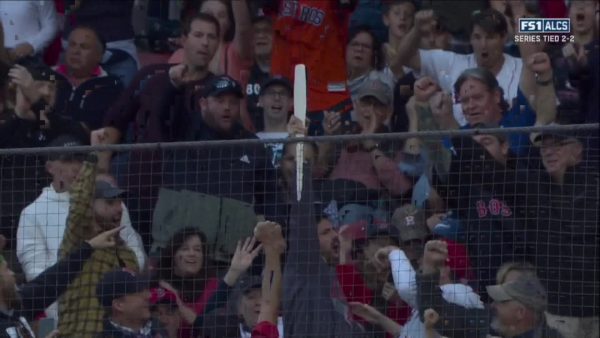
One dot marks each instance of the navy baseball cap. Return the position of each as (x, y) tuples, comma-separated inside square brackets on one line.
[(223, 84), (119, 283), (277, 80), (65, 140)]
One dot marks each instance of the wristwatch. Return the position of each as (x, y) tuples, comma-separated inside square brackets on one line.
[(370, 149), (541, 82)]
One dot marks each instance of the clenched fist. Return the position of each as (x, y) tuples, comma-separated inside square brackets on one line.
[(425, 87)]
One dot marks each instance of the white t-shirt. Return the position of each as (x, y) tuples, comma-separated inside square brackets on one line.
[(445, 68)]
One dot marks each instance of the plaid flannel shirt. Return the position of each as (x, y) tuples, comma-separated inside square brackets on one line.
[(80, 313)]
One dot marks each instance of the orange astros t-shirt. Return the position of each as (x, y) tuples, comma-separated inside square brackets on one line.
[(314, 33)]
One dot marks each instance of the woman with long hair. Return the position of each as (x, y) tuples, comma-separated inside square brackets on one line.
[(186, 266)]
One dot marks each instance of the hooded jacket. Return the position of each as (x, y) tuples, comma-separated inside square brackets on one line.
[(312, 303), (42, 226)]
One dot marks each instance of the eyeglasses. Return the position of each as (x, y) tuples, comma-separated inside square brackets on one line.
[(358, 45), (370, 101), (277, 93)]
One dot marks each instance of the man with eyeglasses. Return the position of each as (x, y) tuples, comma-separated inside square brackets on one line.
[(566, 236)]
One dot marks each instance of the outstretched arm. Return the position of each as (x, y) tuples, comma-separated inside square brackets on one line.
[(54, 281), (373, 316), (538, 74), (407, 52), (80, 219), (243, 29), (303, 252), (269, 234)]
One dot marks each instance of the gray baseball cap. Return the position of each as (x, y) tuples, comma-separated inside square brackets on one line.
[(377, 89), (106, 190), (410, 223), (526, 289)]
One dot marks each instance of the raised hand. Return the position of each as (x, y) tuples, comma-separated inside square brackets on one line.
[(575, 53), (332, 123), (381, 259), (425, 21), (435, 219), (425, 87), (242, 259), (106, 239), (539, 63), (346, 235), (244, 254), (431, 318), (177, 74), (296, 127), (389, 292), (435, 255), (499, 5), (22, 78), (373, 124), (441, 110), (98, 137), (270, 236)]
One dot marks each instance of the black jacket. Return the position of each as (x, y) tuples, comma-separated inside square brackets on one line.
[(153, 330), (88, 102), (564, 241), (241, 172), (490, 199), (38, 294), (458, 321)]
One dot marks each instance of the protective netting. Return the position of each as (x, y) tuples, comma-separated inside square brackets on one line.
[(185, 206)]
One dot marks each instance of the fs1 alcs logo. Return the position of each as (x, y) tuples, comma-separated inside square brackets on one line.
[(546, 30)]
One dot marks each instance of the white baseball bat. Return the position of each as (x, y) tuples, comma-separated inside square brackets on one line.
[(300, 113)]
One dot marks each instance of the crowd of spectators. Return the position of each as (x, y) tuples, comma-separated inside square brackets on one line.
[(492, 234)]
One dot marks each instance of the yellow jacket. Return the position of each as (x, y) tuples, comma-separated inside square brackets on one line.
[(80, 313)]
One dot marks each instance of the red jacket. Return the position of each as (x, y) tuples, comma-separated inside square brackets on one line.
[(185, 331), (355, 290)]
